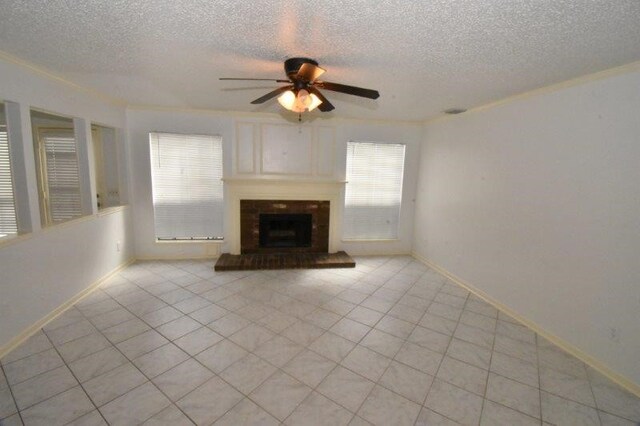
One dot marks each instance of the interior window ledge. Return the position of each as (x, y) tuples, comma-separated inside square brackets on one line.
[(14, 239), (110, 210), (157, 241), (373, 240)]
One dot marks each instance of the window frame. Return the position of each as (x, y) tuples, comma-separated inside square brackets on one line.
[(216, 138), (396, 232), (8, 236), (43, 180)]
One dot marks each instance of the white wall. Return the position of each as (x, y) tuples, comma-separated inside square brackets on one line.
[(44, 269), (536, 202), (271, 157)]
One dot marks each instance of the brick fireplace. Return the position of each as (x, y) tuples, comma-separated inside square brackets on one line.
[(284, 226), (283, 191)]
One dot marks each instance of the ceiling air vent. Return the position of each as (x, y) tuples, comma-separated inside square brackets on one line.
[(453, 111)]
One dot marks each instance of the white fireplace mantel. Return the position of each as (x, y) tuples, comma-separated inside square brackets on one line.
[(237, 189)]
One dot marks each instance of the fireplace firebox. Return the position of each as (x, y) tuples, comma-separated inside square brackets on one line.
[(285, 230), (284, 226)]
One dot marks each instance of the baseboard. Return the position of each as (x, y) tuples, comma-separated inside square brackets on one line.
[(178, 257), (34, 328), (582, 356)]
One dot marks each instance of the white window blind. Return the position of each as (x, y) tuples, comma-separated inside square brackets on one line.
[(187, 186), (61, 176), (373, 191), (8, 225)]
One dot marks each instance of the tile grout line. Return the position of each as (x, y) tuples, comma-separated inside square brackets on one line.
[(77, 380), (13, 398), (346, 283), (486, 384), (128, 360), (435, 375)]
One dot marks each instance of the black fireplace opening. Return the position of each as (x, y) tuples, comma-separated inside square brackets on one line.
[(285, 230)]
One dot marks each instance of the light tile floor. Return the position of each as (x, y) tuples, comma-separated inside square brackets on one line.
[(387, 343)]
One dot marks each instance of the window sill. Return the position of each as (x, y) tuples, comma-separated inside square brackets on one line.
[(62, 225), (14, 239), (189, 241), (110, 210), (373, 240)]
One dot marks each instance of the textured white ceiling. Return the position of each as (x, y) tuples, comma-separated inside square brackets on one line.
[(423, 56)]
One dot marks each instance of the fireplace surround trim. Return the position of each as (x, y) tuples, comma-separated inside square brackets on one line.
[(237, 189)]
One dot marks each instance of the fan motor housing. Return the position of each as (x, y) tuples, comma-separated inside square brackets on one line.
[(292, 65)]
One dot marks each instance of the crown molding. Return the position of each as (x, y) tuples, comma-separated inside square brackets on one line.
[(600, 75), (59, 79)]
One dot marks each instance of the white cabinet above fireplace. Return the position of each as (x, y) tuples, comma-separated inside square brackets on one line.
[(265, 149)]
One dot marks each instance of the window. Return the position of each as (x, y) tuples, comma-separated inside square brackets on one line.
[(105, 160), (373, 190), (8, 223), (186, 171), (58, 176)]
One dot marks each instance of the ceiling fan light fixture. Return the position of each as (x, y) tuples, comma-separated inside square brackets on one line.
[(300, 102), (315, 102), (287, 100)]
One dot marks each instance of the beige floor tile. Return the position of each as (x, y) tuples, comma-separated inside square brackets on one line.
[(96, 364), (210, 401), (406, 381), (43, 386), (160, 360), (28, 367), (455, 403), (512, 394), (562, 411), (346, 388), (317, 410), (141, 344), (350, 330), (221, 355), (58, 410), (247, 413), (465, 376), (248, 373), (114, 383), (383, 343), (419, 358), (303, 333), (278, 351), (169, 416), (332, 346), (366, 362), (280, 395), (182, 379), (383, 407), (198, 340), (309, 367), (135, 406)]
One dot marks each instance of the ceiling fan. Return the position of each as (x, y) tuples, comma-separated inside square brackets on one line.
[(302, 94)]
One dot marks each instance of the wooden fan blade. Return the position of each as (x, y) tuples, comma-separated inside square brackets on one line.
[(254, 79), (309, 72), (350, 90), (325, 106), (270, 95)]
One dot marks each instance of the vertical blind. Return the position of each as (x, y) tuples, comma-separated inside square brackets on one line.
[(8, 225), (186, 171), (61, 176), (373, 191)]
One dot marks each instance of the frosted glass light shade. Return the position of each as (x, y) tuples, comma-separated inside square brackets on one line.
[(315, 101), (287, 99), (300, 102)]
